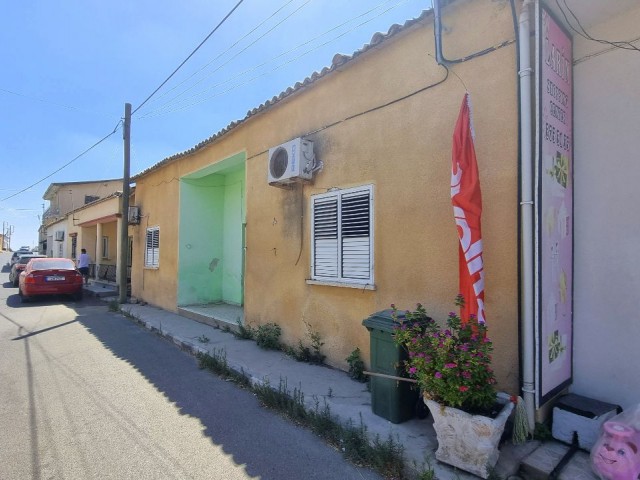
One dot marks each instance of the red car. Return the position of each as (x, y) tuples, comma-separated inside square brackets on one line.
[(50, 276)]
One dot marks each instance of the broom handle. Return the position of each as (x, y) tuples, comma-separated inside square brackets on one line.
[(383, 375)]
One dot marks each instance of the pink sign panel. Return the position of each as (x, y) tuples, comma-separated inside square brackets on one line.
[(554, 207)]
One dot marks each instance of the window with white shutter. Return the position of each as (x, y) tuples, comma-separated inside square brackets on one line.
[(152, 248), (342, 237)]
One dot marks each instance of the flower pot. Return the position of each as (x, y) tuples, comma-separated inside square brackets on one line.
[(469, 442)]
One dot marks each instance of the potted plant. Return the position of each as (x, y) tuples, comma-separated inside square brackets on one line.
[(451, 365)]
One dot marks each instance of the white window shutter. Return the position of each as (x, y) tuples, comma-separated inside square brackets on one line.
[(356, 237), (325, 237), (152, 247), (342, 237)]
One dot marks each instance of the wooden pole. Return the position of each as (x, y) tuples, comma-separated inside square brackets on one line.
[(124, 212), (392, 377)]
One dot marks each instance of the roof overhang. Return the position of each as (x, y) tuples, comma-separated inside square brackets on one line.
[(106, 219)]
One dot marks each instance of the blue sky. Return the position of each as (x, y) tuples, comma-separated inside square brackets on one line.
[(70, 66)]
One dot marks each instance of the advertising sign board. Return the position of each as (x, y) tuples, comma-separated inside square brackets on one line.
[(554, 205)]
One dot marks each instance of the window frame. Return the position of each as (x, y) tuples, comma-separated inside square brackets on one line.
[(155, 251), (340, 278), (105, 247)]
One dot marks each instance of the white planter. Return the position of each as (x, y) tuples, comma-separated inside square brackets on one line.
[(469, 442)]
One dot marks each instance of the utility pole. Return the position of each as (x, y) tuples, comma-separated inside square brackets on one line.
[(124, 230)]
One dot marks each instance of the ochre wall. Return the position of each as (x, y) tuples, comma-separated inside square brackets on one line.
[(404, 150)]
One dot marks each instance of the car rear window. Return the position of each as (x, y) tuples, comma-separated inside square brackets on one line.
[(25, 260), (53, 265)]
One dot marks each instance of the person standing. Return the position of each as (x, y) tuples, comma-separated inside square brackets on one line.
[(83, 265)]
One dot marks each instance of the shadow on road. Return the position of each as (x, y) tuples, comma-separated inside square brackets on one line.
[(14, 301), (260, 440)]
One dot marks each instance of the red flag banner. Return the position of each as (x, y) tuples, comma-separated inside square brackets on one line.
[(467, 209)]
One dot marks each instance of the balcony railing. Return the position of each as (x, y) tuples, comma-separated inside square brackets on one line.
[(107, 273)]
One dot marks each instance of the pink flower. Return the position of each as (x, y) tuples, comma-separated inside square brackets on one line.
[(450, 365), (438, 375), (413, 370), (462, 388)]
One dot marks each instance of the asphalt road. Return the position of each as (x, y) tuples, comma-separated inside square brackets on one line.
[(87, 394)]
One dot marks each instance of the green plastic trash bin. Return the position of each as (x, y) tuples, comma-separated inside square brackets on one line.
[(394, 400)]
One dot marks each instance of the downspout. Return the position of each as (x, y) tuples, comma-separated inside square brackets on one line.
[(525, 73), (437, 32), (526, 215)]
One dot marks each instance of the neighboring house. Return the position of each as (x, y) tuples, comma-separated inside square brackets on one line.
[(607, 264), (57, 239), (94, 226), (374, 226), (67, 196)]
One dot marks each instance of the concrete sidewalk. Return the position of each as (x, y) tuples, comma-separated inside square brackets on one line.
[(346, 398)]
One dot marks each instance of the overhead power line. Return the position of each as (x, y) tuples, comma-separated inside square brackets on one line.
[(65, 165), (235, 55), (167, 92), (624, 45), (190, 55), (175, 105), (120, 122)]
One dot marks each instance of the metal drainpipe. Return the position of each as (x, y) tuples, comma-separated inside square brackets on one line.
[(526, 212), (526, 203)]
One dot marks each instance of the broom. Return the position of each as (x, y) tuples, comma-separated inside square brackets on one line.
[(520, 423)]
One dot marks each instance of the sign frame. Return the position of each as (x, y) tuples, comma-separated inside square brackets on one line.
[(554, 206)]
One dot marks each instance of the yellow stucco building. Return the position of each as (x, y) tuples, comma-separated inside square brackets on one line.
[(213, 230)]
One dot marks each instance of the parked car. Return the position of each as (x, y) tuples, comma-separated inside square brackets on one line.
[(50, 276), (19, 266), (17, 254)]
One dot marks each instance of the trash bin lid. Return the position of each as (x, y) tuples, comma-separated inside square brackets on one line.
[(382, 320)]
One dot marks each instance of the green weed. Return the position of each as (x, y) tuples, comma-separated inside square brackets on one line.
[(356, 366), (268, 336)]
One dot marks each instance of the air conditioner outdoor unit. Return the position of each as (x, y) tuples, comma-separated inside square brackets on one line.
[(291, 162), (59, 235), (134, 215)]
